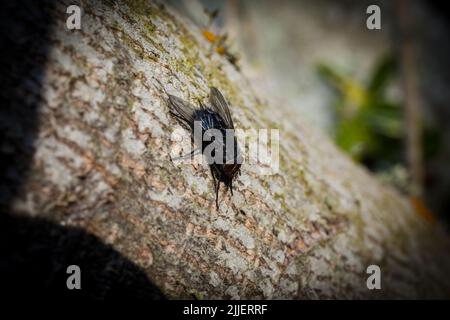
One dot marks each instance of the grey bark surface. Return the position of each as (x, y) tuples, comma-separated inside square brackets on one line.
[(101, 163)]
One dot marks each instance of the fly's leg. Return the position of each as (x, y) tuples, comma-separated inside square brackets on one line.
[(217, 195), (216, 187), (189, 155)]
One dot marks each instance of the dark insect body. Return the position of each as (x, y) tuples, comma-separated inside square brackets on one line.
[(216, 116)]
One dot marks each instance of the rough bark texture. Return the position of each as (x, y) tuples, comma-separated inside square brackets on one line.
[(100, 162)]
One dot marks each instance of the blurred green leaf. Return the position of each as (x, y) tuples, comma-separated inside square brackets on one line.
[(382, 74)]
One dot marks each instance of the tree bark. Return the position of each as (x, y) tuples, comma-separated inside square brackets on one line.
[(100, 162)]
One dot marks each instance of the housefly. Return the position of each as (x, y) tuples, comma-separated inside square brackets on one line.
[(224, 158)]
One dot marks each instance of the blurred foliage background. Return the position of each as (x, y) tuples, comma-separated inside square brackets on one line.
[(370, 126)]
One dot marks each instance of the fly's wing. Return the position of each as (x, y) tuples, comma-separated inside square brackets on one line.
[(181, 109), (219, 105)]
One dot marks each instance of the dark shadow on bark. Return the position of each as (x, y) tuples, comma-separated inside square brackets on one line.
[(25, 28), (35, 253)]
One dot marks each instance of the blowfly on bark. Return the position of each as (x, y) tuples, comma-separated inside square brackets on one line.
[(224, 158)]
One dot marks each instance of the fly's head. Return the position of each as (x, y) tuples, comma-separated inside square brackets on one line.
[(232, 166), (230, 172)]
